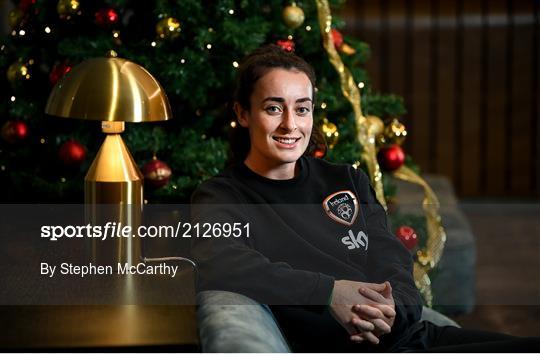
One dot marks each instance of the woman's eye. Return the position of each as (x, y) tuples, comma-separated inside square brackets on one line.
[(273, 109), (302, 110)]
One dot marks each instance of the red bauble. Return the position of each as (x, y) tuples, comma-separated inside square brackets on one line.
[(25, 5), (407, 235), (337, 38), (72, 153), (106, 17), (320, 151), (58, 72), (391, 157), (14, 131), (286, 44), (156, 173)]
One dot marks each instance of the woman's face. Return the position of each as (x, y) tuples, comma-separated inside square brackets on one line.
[(280, 119)]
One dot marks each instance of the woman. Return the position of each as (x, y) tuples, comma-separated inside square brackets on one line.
[(318, 250)]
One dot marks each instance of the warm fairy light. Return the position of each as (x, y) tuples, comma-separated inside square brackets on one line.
[(12, 98), (42, 140), (13, 33), (231, 12), (290, 37), (153, 44), (62, 179), (235, 64), (116, 34), (31, 61), (47, 29), (356, 165), (233, 124), (361, 85), (323, 105), (22, 32), (174, 186), (308, 28), (208, 46), (210, 29), (3, 168), (182, 60)]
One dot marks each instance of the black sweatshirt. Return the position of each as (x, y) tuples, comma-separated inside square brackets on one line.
[(325, 224)]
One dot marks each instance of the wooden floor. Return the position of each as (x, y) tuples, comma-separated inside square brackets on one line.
[(508, 268)]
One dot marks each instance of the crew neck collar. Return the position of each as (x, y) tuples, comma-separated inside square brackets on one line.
[(300, 177)]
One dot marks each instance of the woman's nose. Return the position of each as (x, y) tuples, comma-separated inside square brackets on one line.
[(289, 121)]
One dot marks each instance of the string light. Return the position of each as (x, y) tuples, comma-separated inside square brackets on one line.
[(116, 34), (208, 46), (235, 64), (308, 28), (323, 105), (153, 44), (231, 12), (22, 32), (361, 85), (174, 186), (62, 179), (3, 168), (42, 140), (290, 37), (12, 98), (47, 29), (182, 61), (233, 124)]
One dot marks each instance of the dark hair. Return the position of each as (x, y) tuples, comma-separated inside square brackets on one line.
[(252, 68)]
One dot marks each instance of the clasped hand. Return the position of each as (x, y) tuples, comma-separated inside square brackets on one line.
[(365, 310)]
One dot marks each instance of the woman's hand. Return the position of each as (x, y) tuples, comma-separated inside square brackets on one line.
[(380, 312), (346, 295)]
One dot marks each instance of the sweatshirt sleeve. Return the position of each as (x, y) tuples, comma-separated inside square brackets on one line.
[(389, 260), (233, 264)]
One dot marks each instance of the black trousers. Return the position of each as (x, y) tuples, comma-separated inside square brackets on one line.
[(318, 331)]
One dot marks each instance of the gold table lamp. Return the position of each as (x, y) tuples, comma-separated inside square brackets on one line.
[(113, 91)]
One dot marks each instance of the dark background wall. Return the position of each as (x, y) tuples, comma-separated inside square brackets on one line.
[(469, 72)]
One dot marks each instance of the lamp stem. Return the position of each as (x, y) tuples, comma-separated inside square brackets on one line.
[(113, 190)]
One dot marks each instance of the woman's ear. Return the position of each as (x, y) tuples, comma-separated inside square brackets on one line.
[(241, 114)]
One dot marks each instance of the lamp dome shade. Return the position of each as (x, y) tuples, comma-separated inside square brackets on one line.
[(109, 89)]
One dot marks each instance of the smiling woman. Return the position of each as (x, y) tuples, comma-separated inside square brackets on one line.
[(319, 252)]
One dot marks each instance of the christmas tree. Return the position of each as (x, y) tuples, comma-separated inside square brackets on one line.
[(43, 159)]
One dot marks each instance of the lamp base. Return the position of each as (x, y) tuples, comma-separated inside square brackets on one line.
[(114, 199)]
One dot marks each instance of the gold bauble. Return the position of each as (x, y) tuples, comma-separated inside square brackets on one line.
[(293, 16), (68, 8), (18, 72), (347, 49), (15, 18), (375, 125), (330, 132), (168, 28), (395, 132)]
